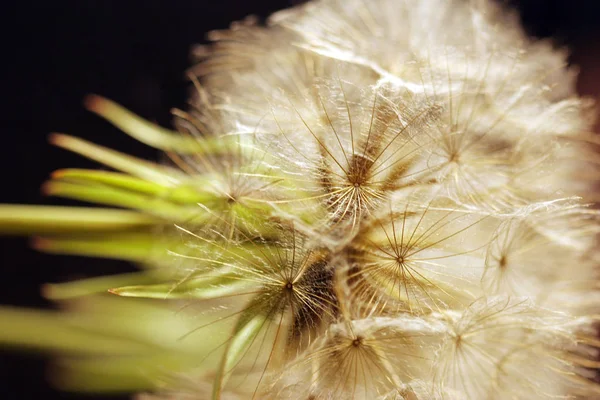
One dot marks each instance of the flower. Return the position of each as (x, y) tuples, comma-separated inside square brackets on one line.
[(365, 200)]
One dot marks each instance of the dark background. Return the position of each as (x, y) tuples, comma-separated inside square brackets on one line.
[(135, 52)]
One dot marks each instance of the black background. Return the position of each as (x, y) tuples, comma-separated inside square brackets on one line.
[(135, 52)]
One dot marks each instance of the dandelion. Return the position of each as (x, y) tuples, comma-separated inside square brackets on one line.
[(365, 200)]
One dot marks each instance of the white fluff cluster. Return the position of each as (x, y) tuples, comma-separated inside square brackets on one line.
[(428, 159)]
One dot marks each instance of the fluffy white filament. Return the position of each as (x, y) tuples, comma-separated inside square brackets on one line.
[(431, 161)]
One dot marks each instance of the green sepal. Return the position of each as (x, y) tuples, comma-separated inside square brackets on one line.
[(132, 246), (119, 374), (185, 194), (23, 328), (203, 288), (117, 160), (154, 135), (100, 284), (245, 332), (113, 196), (27, 220)]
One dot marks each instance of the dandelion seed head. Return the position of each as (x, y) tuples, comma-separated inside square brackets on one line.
[(388, 199)]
